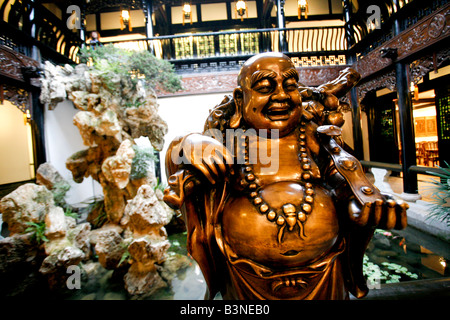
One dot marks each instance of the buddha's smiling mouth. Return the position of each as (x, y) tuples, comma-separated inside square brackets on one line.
[(290, 253), (278, 112)]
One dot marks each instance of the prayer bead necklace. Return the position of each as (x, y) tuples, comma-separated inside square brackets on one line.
[(289, 215)]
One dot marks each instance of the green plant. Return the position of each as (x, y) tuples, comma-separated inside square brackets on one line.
[(69, 213), (178, 243), (440, 209), (126, 256), (59, 191), (159, 185), (95, 210), (101, 217), (135, 104), (398, 271), (115, 65), (141, 162), (38, 230), (42, 196), (157, 73)]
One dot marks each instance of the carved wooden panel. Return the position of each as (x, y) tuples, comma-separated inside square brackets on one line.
[(424, 65), (385, 80), (227, 81), (317, 76), (432, 29), (17, 96), (419, 68), (205, 83), (11, 64)]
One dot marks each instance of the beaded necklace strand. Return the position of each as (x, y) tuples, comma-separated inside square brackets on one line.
[(289, 215)]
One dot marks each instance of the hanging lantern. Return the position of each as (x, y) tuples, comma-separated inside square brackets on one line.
[(414, 89), (26, 117), (241, 9), (187, 12), (125, 19), (302, 6)]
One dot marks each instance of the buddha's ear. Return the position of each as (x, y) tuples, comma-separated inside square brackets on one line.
[(238, 101)]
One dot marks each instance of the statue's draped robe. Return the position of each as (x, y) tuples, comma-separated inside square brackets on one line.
[(332, 276)]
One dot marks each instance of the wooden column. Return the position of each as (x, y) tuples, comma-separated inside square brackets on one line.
[(356, 120), (149, 25), (281, 25), (356, 108), (406, 120), (407, 139), (37, 129)]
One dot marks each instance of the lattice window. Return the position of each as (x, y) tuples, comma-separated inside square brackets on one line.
[(444, 119), (184, 48), (228, 44), (249, 43), (205, 46), (315, 61)]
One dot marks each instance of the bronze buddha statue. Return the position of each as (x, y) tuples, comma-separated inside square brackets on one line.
[(276, 206)]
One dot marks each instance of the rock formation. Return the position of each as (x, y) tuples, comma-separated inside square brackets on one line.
[(112, 113), (34, 221), (144, 219), (29, 203), (138, 244)]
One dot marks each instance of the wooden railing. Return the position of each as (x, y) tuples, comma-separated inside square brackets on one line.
[(318, 40), (324, 39)]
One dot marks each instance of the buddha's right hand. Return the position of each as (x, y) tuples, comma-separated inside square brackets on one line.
[(207, 156)]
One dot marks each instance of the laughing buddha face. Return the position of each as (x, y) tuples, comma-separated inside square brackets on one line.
[(268, 95)]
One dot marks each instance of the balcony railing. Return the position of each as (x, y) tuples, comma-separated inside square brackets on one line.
[(320, 41), (26, 23)]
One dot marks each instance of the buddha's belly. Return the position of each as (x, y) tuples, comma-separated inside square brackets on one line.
[(252, 235)]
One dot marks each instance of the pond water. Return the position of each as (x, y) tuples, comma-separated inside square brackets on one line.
[(392, 256), (406, 255), (188, 284)]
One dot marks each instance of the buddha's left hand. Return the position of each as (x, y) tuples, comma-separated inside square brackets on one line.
[(386, 213)]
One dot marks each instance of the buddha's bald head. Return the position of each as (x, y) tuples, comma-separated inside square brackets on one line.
[(248, 74), (267, 95)]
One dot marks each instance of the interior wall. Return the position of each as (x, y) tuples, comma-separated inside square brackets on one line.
[(214, 11), (347, 129), (425, 127), (184, 115), (365, 135), (314, 7), (54, 9), (15, 145), (347, 133), (62, 140), (91, 22), (314, 23)]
